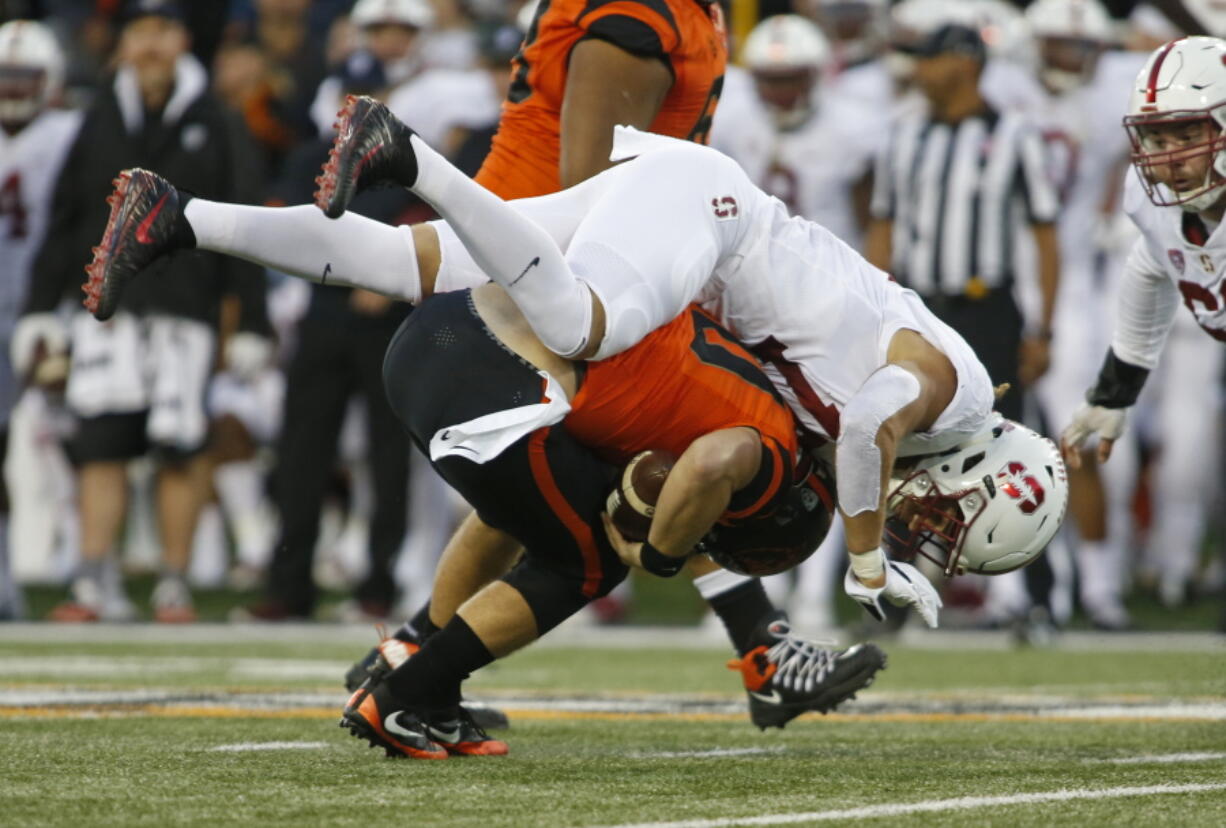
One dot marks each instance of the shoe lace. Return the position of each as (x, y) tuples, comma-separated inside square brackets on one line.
[(801, 664)]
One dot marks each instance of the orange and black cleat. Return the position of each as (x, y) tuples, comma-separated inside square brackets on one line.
[(374, 715)]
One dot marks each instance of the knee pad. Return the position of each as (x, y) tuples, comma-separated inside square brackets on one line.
[(555, 596)]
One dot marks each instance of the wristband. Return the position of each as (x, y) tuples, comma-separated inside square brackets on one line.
[(868, 566), (657, 563), (1119, 383)]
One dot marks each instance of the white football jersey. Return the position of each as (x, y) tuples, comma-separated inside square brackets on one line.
[(30, 163), (682, 224), (812, 168), (1175, 248), (815, 312)]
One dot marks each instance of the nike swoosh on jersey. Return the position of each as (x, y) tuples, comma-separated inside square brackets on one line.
[(142, 230), (773, 698)]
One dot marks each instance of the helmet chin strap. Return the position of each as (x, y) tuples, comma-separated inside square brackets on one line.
[(1211, 193)]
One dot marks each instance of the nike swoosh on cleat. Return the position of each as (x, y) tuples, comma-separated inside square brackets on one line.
[(439, 735), (392, 726), (142, 230), (773, 698)]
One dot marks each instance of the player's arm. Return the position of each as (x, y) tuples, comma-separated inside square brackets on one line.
[(606, 85), (698, 490), (901, 397), (1145, 312)]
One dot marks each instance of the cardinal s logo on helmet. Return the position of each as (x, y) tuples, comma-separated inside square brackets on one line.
[(1019, 484)]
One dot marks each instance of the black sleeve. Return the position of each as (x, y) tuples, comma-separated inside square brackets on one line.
[(1119, 383), (629, 34)]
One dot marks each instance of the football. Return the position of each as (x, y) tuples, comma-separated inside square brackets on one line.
[(632, 503)]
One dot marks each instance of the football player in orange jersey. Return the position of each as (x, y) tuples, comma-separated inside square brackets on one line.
[(586, 66)]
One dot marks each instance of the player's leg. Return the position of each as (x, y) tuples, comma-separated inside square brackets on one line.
[(544, 487), (150, 218)]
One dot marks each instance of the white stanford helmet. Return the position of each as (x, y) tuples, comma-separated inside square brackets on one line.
[(416, 13), (785, 53), (989, 506), (31, 70), (1183, 81)]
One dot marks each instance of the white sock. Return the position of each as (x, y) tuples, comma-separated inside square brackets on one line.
[(718, 582), (352, 250), (512, 250)]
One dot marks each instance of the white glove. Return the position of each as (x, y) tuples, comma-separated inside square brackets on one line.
[(32, 329), (904, 584), (248, 354), (1088, 419)]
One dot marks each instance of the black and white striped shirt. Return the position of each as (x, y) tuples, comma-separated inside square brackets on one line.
[(959, 195)]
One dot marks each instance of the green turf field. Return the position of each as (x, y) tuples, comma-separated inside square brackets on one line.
[(145, 726)]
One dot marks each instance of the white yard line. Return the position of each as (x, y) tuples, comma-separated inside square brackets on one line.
[(1160, 758), (705, 754), (243, 747), (965, 803)]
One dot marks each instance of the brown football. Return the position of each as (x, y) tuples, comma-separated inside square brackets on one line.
[(632, 503)]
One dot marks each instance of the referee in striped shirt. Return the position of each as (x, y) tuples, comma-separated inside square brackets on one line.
[(956, 190)]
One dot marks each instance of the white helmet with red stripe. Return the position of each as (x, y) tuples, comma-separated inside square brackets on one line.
[(1177, 123), (989, 506), (786, 53), (31, 70)]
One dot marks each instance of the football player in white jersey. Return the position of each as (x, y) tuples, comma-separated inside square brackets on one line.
[(1088, 154), (595, 268), (796, 143), (34, 141), (1177, 125)]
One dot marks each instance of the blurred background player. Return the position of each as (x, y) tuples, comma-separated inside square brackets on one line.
[(808, 150), (138, 383), (34, 141)]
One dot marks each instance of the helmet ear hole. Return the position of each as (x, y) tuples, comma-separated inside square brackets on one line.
[(973, 461)]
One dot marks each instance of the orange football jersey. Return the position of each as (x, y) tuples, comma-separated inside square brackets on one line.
[(684, 380), (687, 34)]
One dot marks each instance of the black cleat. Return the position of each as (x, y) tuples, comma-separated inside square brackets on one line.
[(787, 675), (371, 148), (145, 209), (374, 715)]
